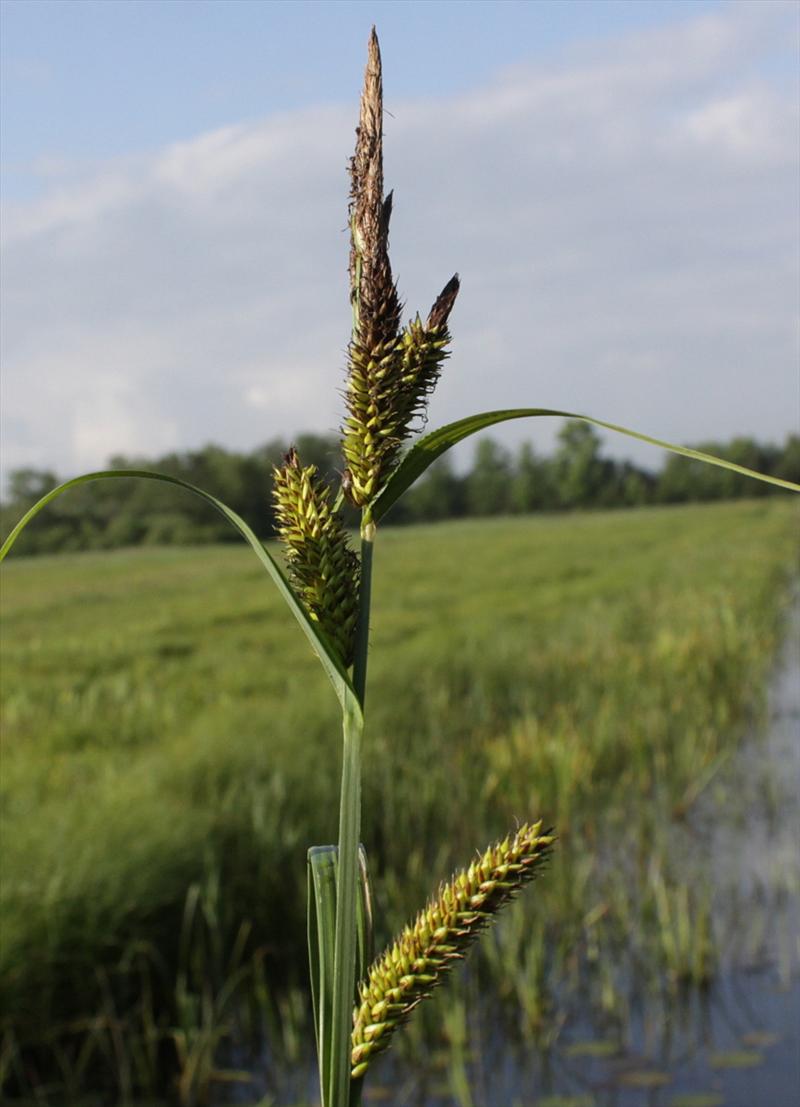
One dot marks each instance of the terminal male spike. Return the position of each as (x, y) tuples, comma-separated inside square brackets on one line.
[(391, 371)]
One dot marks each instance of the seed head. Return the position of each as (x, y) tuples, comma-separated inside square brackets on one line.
[(440, 935), (390, 373), (423, 351), (322, 566), (376, 305)]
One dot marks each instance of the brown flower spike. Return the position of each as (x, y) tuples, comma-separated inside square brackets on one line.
[(440, 935), (322, 566), (390, 372)]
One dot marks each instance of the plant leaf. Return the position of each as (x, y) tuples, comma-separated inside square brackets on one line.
[(345, 944), (322, 864), (366, 926), (319, 642), (424, 452), (347, 895)]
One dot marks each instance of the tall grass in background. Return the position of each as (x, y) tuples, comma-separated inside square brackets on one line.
[(601, 674), (392, 369)]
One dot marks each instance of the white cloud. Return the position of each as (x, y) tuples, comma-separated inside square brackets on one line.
[(747, 125), (625, 225)]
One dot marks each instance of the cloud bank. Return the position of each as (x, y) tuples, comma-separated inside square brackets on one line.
[(625, 224)]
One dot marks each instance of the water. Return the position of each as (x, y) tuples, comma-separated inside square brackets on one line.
[(734, 1043)]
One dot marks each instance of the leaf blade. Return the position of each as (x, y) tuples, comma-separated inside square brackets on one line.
[(347, 893), (322, 864), (319, 643), (425, 451)]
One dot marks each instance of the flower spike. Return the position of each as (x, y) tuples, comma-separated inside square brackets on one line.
[(322, 566), (440, 935), (390, 373)]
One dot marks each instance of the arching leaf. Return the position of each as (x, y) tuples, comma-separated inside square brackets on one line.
[(319, 642), (424, 452)]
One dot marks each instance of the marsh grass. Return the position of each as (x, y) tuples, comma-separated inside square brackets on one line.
[(391, 372), (158, 800)]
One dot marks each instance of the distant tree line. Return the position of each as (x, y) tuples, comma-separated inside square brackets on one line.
[(109, 514)]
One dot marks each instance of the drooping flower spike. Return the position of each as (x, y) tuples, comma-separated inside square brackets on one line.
[(440, 935)]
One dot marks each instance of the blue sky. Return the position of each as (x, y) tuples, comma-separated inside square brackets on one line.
[(615, 181), (95, 78)]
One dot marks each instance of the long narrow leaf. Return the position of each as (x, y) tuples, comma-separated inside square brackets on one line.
[(366, 948), (322, 889), (322, 864), (320, 644), (424, 452), (344, 969), (365, 922)]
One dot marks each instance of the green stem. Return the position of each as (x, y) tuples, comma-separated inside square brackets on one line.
[(364, 606), (344, 983), (344, 966)]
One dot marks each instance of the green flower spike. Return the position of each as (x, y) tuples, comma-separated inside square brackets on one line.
[(440, 935), (323, 568), (422, 351)]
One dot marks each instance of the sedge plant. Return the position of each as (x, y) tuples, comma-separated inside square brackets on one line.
[(392, 368)]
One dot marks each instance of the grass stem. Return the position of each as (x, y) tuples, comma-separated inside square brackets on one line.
[(344, 983), (346, 907), (365, 601)]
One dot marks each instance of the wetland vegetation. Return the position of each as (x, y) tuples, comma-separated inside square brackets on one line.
[(168, 756), (497, 481)]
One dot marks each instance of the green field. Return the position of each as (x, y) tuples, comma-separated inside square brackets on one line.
[(171, 748)]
